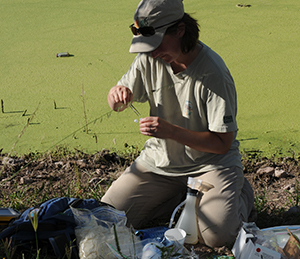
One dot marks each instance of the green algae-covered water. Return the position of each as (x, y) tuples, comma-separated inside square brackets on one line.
[(49, 101)]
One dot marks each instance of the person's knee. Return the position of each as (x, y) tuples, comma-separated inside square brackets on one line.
[(220, 235)]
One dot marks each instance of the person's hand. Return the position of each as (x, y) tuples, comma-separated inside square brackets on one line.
[(119, 97), (156, 127), (205, 141)]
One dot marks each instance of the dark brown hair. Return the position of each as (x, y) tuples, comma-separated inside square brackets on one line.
[(191, 35)]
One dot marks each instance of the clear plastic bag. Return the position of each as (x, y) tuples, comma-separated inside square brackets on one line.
[(282, 235), (102, 233), (102, 230), (104, 215)]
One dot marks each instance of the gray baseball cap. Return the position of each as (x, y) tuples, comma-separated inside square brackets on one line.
[(151, 20)]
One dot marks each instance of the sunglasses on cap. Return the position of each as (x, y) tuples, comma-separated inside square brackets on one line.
[(147, 31)]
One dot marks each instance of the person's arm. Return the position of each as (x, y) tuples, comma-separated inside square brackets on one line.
[(210, 142), (119, 97)]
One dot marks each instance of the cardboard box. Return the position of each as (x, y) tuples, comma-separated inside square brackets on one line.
[(292, 247)]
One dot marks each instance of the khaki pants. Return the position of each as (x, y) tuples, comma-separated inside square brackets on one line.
[(146, 196)]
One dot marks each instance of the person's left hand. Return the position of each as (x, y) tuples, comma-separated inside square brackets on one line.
[(203, 141), (156, 127)]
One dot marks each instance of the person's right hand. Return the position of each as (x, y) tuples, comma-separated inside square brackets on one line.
[(119, 97)]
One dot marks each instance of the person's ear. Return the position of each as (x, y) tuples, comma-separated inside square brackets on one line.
[(180, 30)]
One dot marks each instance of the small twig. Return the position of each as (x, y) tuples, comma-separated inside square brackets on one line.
[(84, 110), (134, 110), (24, 113), (2, 106), (96, 138)]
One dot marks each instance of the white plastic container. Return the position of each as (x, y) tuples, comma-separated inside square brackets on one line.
[(188, 218), (175, 235)]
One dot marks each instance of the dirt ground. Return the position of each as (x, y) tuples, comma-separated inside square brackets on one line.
[(274, 182)]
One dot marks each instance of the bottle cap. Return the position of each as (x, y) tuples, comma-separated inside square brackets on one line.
[(194, 183)]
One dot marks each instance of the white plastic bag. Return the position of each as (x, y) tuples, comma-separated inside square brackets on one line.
[(102, 230), (281, 234)]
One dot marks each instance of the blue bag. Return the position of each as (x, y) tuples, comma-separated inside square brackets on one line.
[(56, 224)]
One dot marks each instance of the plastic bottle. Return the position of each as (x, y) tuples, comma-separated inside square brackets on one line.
[(188, 218)]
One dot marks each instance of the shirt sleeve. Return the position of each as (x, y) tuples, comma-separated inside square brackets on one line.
[(134, 80), (221, 103)]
